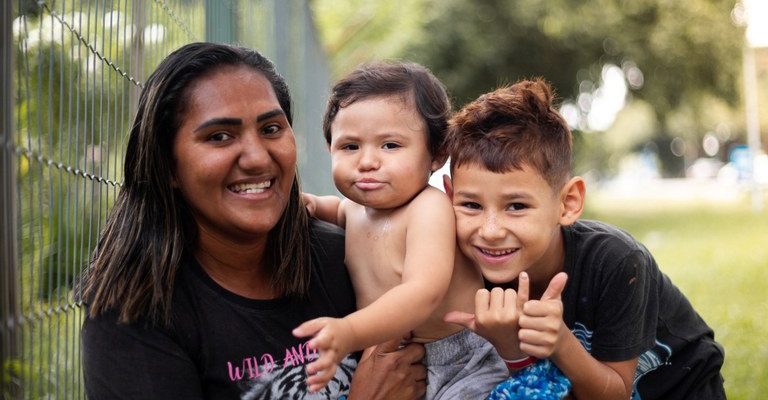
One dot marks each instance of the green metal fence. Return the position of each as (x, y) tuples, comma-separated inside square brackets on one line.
[(70, 77)]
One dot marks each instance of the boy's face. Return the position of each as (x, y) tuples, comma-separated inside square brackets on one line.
[(379, 152), (507, 223)]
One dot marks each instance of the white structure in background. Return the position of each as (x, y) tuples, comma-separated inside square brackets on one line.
[(596, 107), (755, 13)]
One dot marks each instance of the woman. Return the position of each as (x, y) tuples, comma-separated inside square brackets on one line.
[(208, 260)]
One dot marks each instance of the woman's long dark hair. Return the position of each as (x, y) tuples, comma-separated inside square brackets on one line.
[(150, 229)]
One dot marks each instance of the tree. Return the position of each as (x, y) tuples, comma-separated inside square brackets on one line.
[(688, 52)]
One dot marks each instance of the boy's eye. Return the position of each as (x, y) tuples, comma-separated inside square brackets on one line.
[(517, 206), (471, 205), (219, 137), (349, 146), (390, 146)]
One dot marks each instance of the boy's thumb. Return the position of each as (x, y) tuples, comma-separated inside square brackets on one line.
[(466, 320), (556, 286)]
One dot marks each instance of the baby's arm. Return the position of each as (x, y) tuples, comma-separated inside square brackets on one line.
[(543, 334), (326, 208), (427, 269)]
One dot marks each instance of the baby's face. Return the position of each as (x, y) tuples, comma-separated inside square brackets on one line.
[(379, 152), (506, 223)]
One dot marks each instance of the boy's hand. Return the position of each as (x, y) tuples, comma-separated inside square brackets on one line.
[(310, 202), (496, 317), (332, 338), (541, 321)]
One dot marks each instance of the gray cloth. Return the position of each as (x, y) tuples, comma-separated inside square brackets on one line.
[(462, 366)]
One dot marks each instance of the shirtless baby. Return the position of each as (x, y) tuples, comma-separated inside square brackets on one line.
[(385, 126)]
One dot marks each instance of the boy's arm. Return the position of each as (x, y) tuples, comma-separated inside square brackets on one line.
[(427, 270), (543, 334), (591, 378)]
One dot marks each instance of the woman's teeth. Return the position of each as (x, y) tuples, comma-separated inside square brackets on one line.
[(251, 187)]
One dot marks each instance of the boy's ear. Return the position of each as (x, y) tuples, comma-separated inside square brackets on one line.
[(572, 200), (448, 186)]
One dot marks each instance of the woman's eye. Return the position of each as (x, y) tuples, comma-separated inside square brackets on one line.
[(271, 129), (391, 146), (220, 137)]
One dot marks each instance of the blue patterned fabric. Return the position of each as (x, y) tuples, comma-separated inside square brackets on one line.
[(540, 381)]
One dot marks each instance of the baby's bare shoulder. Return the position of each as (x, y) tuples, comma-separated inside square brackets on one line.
[(431, 197)]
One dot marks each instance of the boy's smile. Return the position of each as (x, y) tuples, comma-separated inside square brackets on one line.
[(507, 223)]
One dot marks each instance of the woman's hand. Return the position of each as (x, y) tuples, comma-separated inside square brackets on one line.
[(384, 372)]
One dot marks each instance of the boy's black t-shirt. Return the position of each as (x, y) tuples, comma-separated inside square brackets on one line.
[(221, 345), (620, 306)]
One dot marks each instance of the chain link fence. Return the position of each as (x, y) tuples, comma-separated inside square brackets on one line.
[(70, 78)]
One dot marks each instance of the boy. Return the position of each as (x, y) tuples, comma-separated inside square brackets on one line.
[(385, 127), (619, 328)]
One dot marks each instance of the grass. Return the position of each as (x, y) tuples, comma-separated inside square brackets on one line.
[(717, 254)]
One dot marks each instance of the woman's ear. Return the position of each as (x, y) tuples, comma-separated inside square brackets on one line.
[(572, 200)]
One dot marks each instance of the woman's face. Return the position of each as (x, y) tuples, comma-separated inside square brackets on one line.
[(235, 155)]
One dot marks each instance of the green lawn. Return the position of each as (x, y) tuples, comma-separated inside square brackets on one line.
[(717, 254)]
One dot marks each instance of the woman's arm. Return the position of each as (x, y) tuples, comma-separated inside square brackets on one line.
[(134, 361), (386, 372)]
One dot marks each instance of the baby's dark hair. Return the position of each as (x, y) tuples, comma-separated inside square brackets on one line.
[(511, 127), (393, 78)]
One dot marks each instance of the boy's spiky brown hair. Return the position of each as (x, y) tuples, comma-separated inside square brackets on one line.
[(511, 127)]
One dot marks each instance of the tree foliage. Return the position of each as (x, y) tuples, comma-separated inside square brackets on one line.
[(358, 31), (688, 54), (684, 49)]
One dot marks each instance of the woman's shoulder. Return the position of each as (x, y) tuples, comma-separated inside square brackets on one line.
[(327, 240), (325, 231)]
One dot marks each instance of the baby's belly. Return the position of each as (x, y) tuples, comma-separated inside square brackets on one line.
[(434, 329)]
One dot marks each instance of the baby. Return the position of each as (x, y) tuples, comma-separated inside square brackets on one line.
[(385, 126)]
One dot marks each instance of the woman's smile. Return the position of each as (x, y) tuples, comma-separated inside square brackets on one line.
[(235, 136)]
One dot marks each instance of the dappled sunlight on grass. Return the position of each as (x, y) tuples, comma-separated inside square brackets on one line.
[(717, 254)]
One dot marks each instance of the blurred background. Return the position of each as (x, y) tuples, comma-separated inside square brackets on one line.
[(668, 102)]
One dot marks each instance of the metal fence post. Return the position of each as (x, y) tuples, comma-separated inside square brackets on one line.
[(8, 210), (220, 22)]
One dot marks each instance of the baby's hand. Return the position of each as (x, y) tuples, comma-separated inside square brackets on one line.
[(310, 202), (332, 338), (496, 317), (541, 322)]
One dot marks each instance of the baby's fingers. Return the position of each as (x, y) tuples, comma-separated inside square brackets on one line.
[(323, 373), (310, 328)]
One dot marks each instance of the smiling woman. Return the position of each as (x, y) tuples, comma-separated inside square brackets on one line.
[(208, 259)]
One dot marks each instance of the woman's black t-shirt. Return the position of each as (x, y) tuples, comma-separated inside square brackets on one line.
[(221, 345)]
